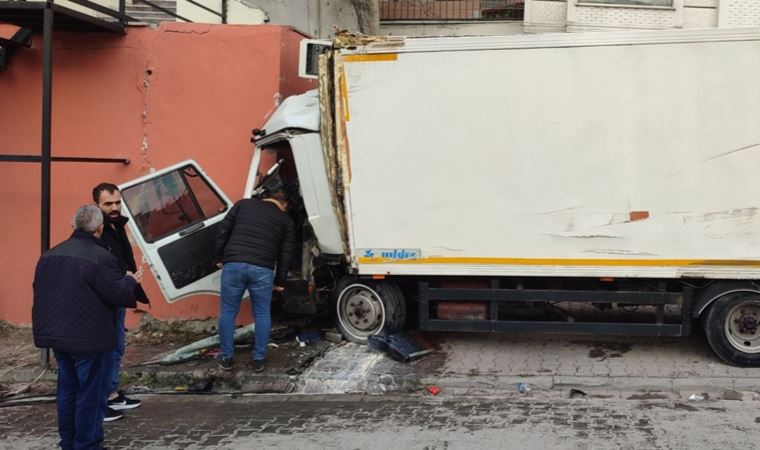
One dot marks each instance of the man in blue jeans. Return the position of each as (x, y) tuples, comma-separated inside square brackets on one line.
[(77, 287), (108, 199), (255, 239)]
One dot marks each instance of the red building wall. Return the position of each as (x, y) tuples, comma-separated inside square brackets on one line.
[(155, 96)]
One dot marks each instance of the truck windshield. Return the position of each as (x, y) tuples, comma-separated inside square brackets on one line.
[(172, 202)]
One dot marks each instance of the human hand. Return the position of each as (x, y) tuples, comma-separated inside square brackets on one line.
[(219, 265), (278, 288), (137, 276)]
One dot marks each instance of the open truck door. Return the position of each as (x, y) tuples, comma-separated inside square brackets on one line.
[(174, 216)]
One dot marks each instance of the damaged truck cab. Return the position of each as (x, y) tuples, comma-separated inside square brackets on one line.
[(571, 183)]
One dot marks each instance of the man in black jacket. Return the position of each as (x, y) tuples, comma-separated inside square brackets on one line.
[(108, 199), (254, 237), (77, 288)]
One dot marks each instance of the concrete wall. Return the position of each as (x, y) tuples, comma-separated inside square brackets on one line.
[(314, 17), (155, 96), (406, 28), (574, 15)]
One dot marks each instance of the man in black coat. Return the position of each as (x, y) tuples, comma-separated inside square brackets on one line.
[(254, 237), (77, 288), (108, 199)]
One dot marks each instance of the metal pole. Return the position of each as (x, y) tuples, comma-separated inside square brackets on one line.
[(47, 91), (123, 12)]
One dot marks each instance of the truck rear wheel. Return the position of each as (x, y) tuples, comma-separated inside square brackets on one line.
[(732, 327), (365, 308)]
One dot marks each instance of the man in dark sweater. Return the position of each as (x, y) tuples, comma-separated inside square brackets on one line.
[(77, 287), (255, 237), (108, 199)]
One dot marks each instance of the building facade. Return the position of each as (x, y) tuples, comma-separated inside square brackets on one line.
[(597, 15)]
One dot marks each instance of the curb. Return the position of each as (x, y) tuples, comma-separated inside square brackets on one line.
[(595, 384)]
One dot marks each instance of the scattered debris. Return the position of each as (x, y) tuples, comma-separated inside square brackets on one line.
[(434, 390), (404, 347), (333, 335), (523, 388), (577, 393), (307, 337), (699, 397), (196, 349), (202, 385), (732, 395), (648, 396)]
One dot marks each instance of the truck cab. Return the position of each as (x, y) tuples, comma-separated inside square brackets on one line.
[(175, 211)]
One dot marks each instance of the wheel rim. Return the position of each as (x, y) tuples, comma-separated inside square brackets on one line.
[(742, 325), (360, 311)]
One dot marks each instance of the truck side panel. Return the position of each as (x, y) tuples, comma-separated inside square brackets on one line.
[(618, 160)]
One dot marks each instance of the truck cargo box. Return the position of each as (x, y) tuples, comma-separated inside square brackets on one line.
[(603, 154)]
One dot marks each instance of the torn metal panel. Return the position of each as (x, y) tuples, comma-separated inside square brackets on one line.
[(345, 40), (329, 144)]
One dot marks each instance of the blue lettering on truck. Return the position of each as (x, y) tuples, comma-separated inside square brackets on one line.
[(390, 253)]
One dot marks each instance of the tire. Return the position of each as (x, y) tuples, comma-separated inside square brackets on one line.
[(732, 328), (363, 308)]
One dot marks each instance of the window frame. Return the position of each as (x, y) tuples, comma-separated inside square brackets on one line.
[(150, 239)]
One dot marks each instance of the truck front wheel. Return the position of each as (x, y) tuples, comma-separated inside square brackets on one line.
[(732, 327), (365, 308)]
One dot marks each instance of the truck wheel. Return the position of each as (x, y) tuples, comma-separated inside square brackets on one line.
[(732, 327), (366, 308)]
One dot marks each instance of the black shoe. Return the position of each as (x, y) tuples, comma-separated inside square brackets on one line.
[(258, 365), (224, 363), (122, 402), (112, 414)]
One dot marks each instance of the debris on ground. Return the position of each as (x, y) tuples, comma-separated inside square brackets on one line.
[(434, 390), (523, 388), (699, 397), (307, 337), (196, 349), (333, 335), (577, 393), (404, 347)]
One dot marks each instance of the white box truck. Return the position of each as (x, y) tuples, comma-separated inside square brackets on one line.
[(562, 183)]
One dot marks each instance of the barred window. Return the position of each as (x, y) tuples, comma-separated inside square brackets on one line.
[(663, 3)]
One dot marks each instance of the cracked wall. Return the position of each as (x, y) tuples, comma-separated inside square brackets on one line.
[(155, 96)]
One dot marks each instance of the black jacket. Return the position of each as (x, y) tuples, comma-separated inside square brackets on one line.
[(116, 241), (256, 232), (77, 287)]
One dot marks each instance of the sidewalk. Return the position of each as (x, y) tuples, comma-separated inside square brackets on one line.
[(463, 363)]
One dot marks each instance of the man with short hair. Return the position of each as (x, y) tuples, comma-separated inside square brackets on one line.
[(77, 287), (108, 199), (254, 237)]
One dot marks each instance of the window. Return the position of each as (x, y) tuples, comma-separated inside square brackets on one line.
[(451, 10), (662, 3), (172, 202)]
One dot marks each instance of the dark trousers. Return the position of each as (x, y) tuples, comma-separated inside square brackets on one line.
[(83, 382)]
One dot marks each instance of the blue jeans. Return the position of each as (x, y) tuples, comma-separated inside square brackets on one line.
[(83, 380), (236, 278), (118, 352)]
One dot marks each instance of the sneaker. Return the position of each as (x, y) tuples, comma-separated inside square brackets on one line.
[(112, 414), (224, 363), (122, 402), (258, 365)]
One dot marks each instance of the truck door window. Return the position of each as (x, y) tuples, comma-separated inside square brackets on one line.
[(172, 202)]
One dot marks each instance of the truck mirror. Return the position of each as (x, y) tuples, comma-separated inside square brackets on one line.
[(308, 62)]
